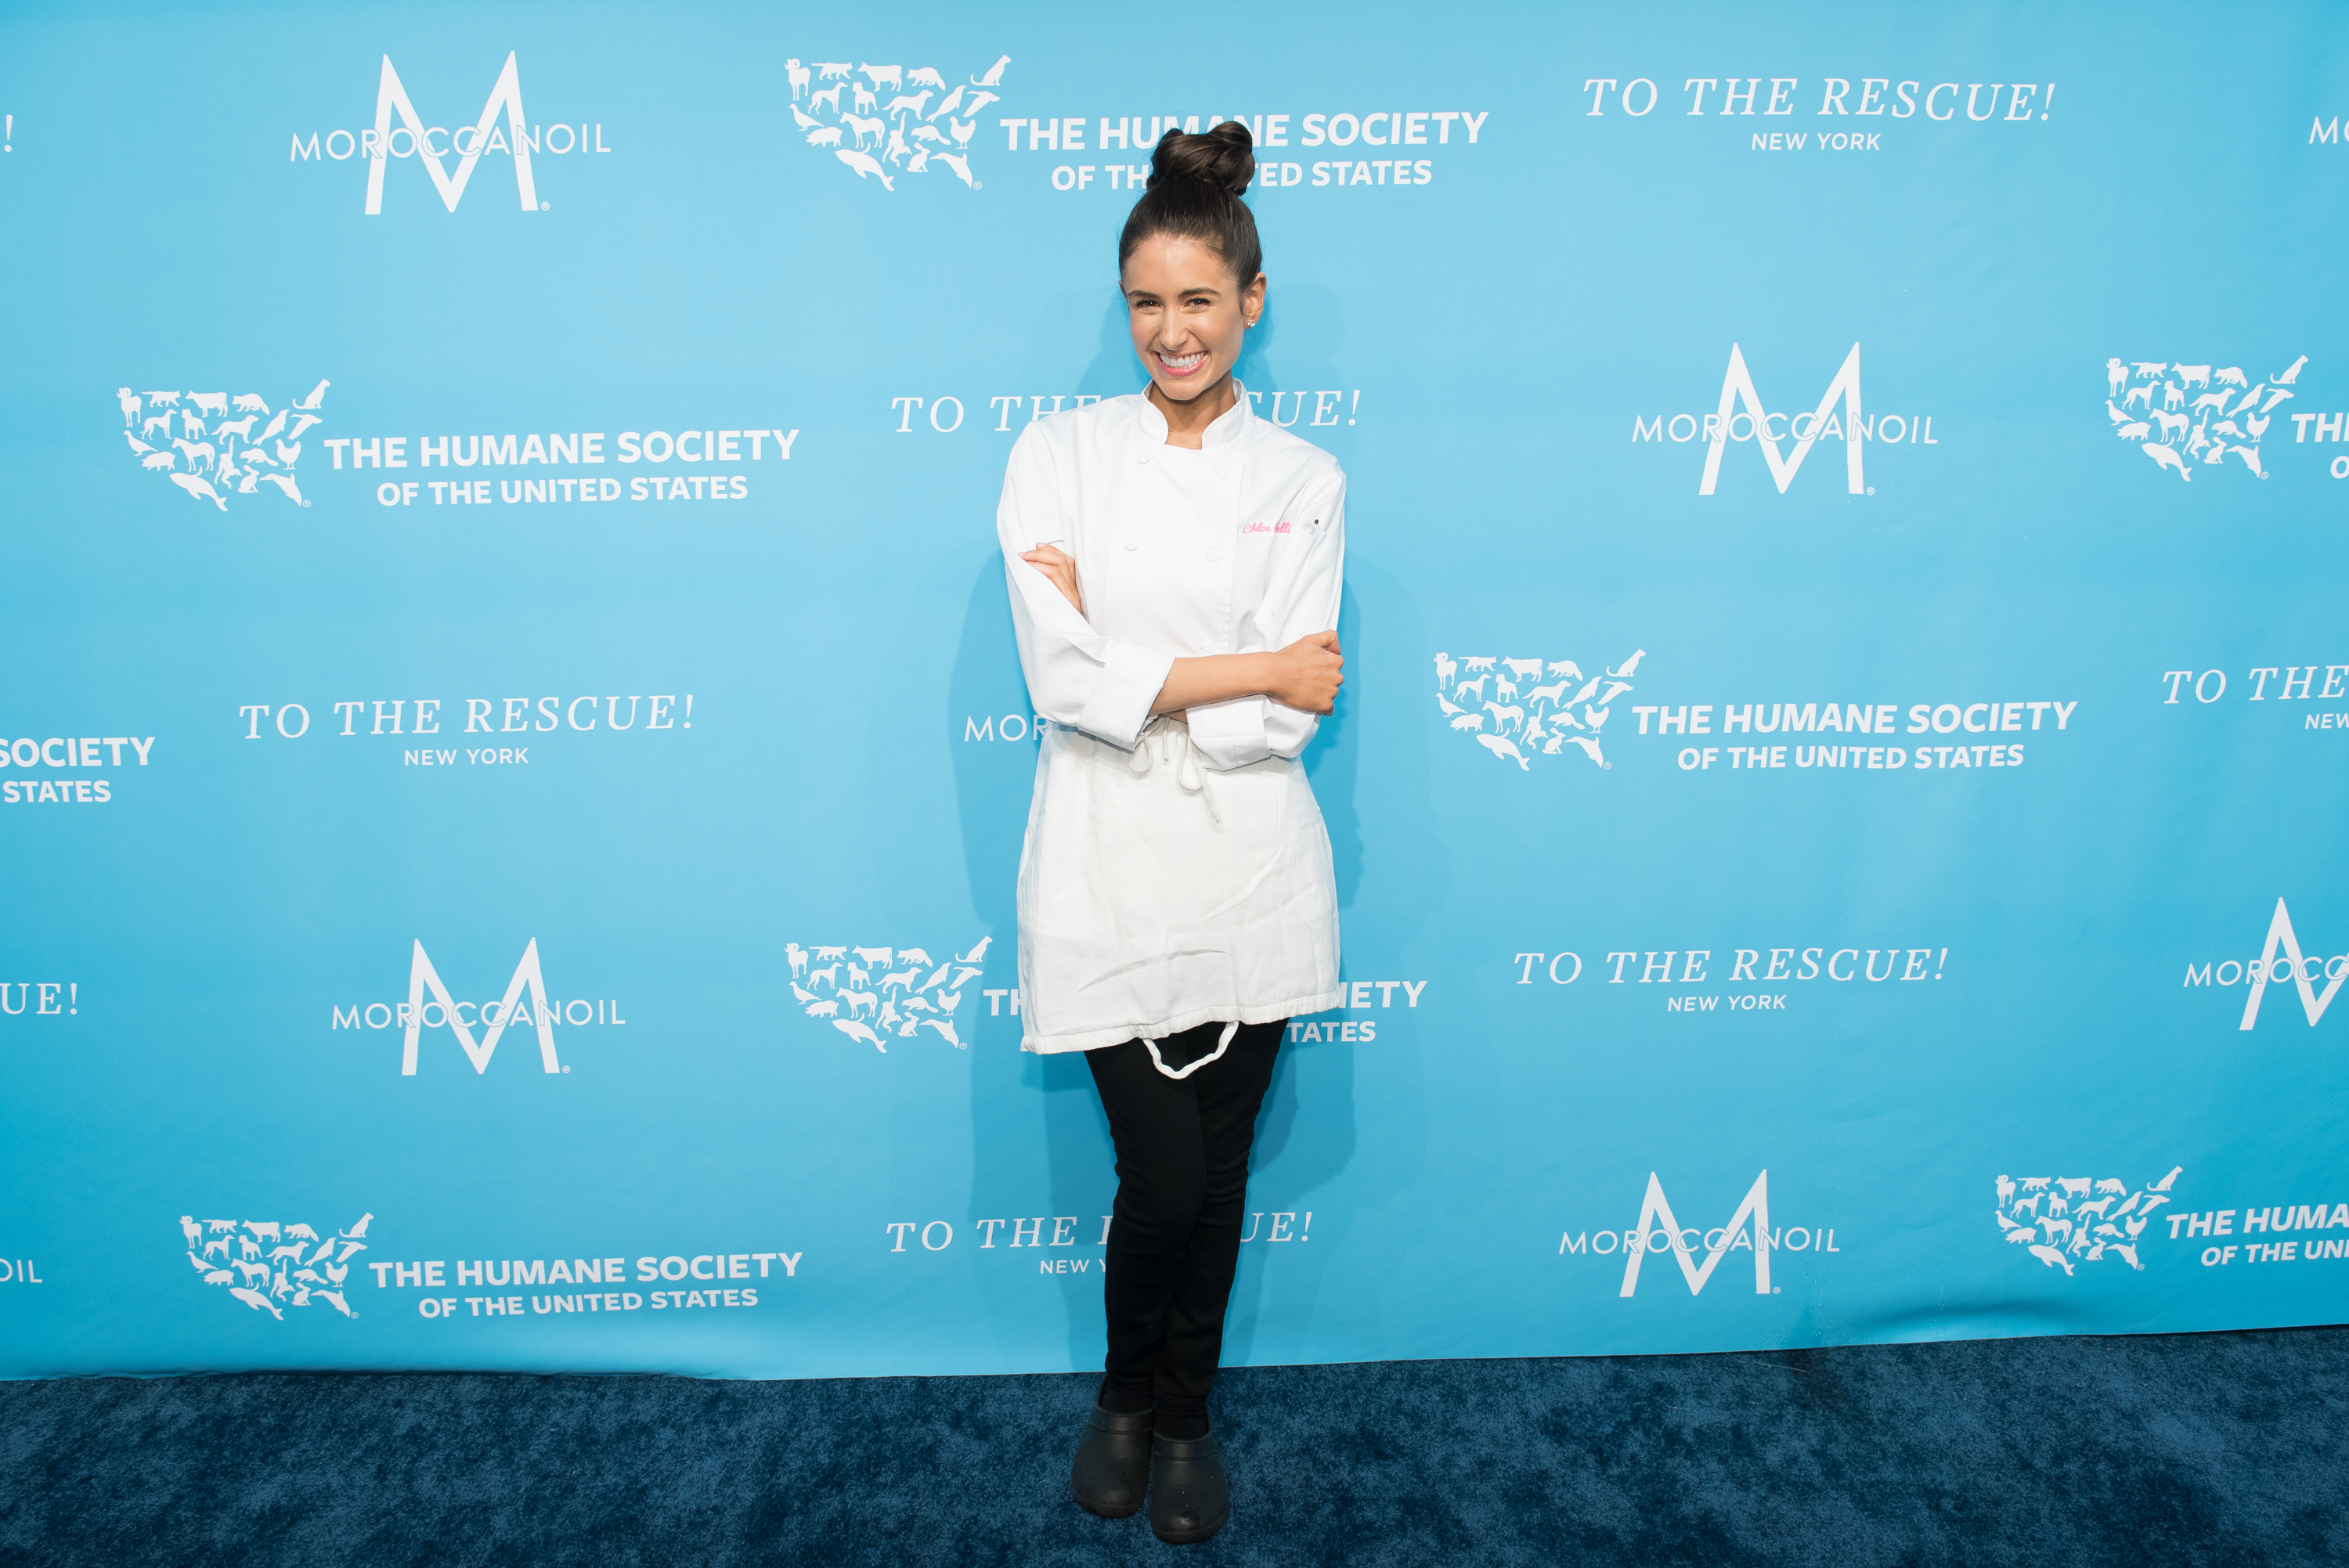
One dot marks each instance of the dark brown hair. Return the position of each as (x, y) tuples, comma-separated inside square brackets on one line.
[(1194, 189)]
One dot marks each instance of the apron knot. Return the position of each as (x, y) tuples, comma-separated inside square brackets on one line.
[(1166, 740)]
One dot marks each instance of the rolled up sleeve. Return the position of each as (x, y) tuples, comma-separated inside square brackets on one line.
[(1302, 598), (1076, 676)]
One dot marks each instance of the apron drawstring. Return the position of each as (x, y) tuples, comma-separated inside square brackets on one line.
[(1167, 739), (1230, 1030), (1170, 739)]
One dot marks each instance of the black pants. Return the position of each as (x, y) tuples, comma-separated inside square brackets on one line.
[(1181, 1188)]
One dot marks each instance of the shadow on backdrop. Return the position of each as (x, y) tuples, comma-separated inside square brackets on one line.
[(1036, 1122), (1313, 1122)]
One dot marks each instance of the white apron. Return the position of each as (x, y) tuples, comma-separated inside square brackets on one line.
[(1173, 874)]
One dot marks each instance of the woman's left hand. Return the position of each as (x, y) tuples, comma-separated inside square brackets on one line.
[(1056, 565)]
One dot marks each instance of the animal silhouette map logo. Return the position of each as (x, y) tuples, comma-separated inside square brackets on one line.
[(875, 994), (212, 455), (2062, 1225), (1519, 710), (2205, 413), (905, 132), (297, 1268)]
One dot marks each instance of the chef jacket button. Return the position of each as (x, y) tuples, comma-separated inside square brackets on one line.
[(1215, 553), (1143, 455), (1133, 541), (1223, 471)]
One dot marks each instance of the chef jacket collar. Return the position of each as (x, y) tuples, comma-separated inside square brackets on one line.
[(1231, 429)]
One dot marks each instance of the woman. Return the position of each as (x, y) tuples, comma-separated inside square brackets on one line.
[(1175, 566)]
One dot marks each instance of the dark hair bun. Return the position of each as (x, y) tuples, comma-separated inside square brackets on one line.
[(1224, 157), (1196, 183)]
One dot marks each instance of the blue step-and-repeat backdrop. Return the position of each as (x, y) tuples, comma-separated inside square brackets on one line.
[(514, 756)]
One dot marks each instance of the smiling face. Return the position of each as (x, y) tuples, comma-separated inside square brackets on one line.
[(1188, 314)]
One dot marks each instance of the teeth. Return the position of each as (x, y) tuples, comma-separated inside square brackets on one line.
[(1180, 361)]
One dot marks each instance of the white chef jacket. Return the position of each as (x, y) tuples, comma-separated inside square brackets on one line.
[(1173, 874)]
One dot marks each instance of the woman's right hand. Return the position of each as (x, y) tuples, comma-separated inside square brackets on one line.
[(1308, 672)]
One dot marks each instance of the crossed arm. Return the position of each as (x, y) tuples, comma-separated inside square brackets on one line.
[(1306, 674)]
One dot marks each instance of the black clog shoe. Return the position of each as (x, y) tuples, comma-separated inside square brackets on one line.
[(1112, 1470), (1190, 1494)]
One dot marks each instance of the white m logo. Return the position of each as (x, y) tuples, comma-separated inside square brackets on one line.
[(2280, 935), (1737, 386), (505, 94), (1756, 1206), (420, 974)]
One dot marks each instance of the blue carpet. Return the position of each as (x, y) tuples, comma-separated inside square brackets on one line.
[(2192, 1448)]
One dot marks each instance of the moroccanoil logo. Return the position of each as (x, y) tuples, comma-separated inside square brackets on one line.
[(1743, 417), (2281, 960), (504, 128), (526, 1004), (1659, 1230)]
